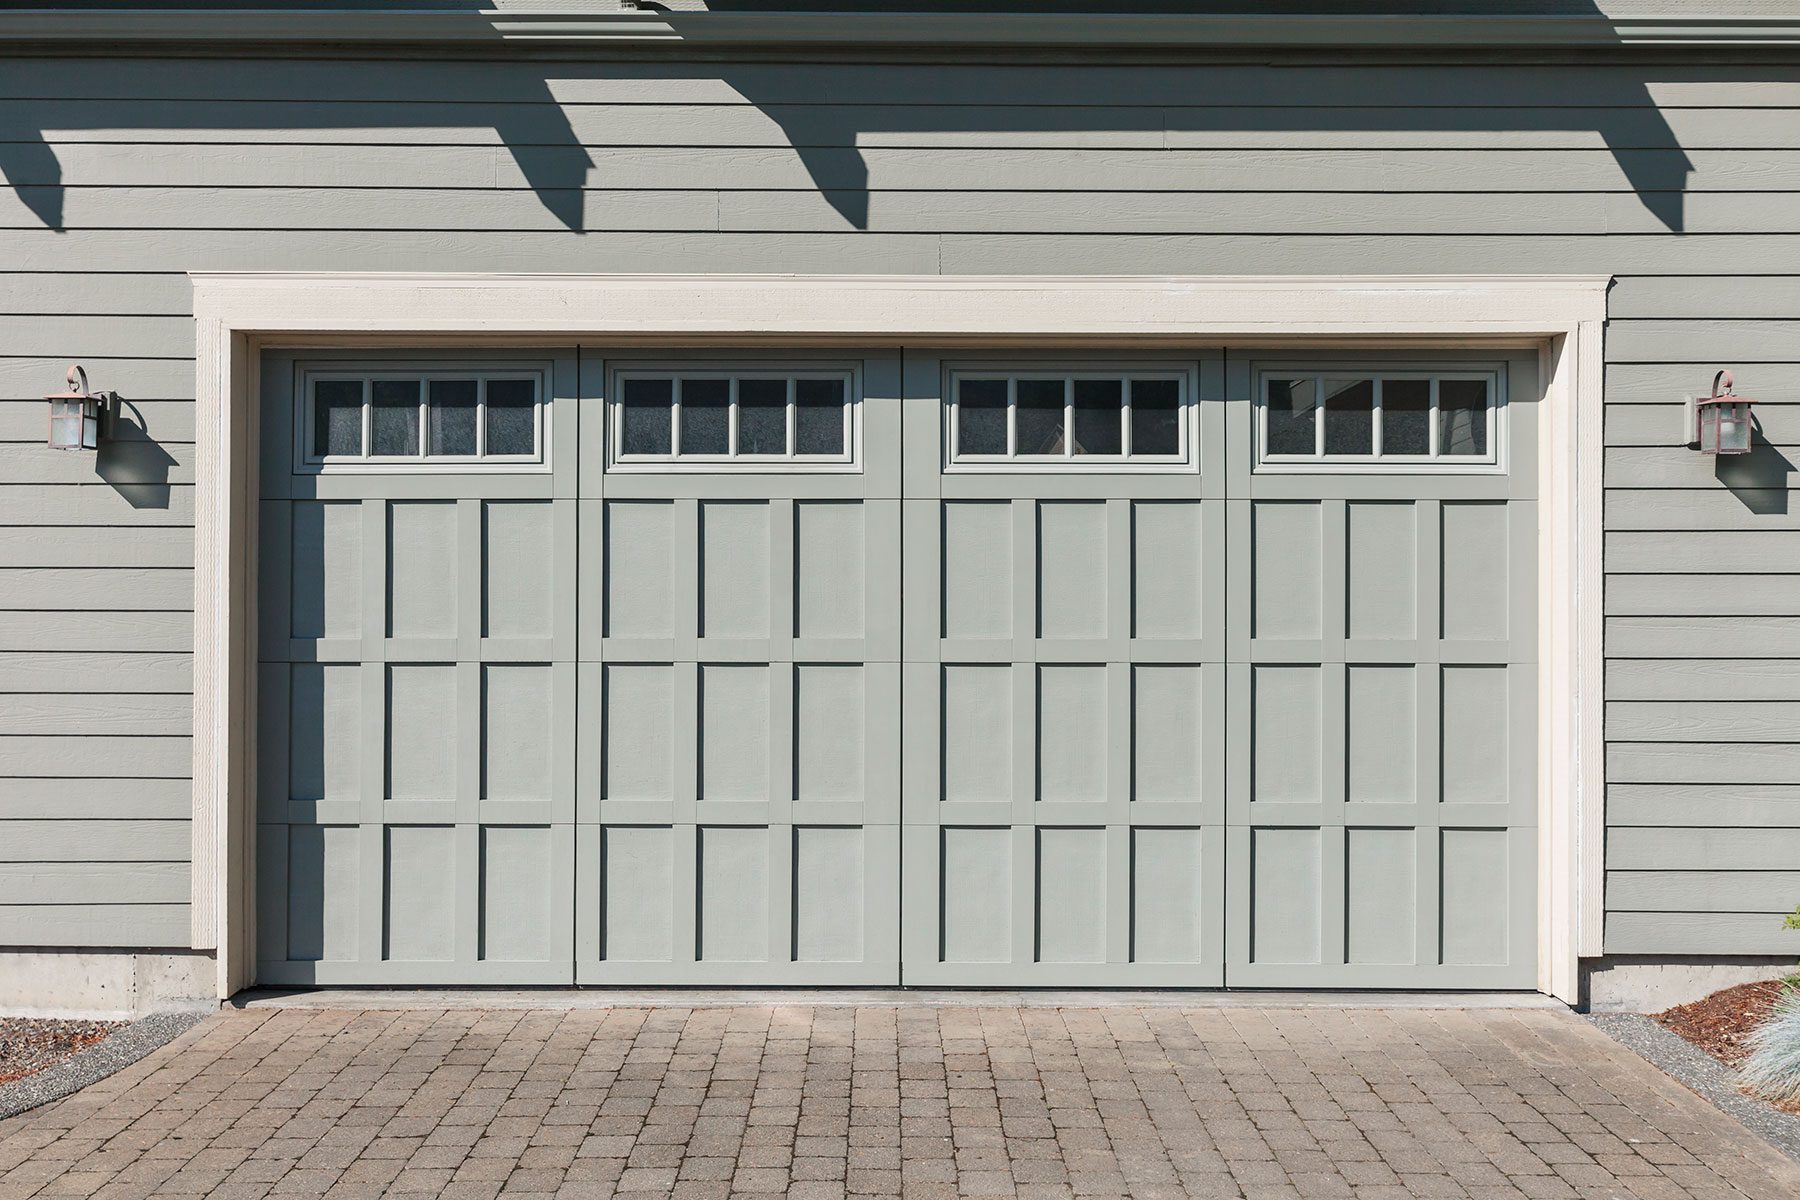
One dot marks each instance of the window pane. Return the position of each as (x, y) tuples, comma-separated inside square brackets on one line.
[(511, 416), (1292, 409), (1349, 416), (395, 419), (1462, 416), (1040, 418), (1405, 416), (646, 414), (337, 417), (981, 416), (705, 416), (452, 416), (1155, 416), (819, 421), (762, 416), (1099, 416)]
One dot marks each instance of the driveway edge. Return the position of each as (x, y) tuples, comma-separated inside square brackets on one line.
[(1704, 1075), (117, 1052)]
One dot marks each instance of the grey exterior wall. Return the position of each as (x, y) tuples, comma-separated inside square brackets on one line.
[(1678, 180)]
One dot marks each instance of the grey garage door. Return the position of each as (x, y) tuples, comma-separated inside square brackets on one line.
[(1146, 670)]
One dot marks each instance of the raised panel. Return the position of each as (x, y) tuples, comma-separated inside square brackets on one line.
[(518, 896), (325, 570), (1476, 737), (1381, 565), (640, 590), (1287, 586), (518, 590), (1288, 712), (830, 569), (637, 874), (1168, 896), (421, 887), (734, 732), (421, 732), (829, 886), (976, 895), (323, 867), (1285, 895), (1167, 734), (422, 569), (829, 721), (1476, 548), (325, 732), (1071, 558), (639, 732), (1381, 709), (733, 923), (517, 723), (734, 569), (977, 733), (1072, 733), (1071, 895), (1167, 571), (1381, 899), (1476, 896), (978, 566)]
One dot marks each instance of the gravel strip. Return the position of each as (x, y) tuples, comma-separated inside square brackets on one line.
[(29, 1044), (117, 1052), (1703, 1074)]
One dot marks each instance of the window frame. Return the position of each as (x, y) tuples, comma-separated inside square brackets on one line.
[(306, 462), (1491, 372), (849, 461), (1185, 376)]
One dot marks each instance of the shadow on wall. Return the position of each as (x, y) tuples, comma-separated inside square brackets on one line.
[(1758, 479), (132, 462), (827, 137)]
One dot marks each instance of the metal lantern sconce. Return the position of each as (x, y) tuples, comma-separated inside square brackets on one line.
[(1720, 423), (78, 416)]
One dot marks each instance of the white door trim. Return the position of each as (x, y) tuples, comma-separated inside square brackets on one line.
[(238, 313)]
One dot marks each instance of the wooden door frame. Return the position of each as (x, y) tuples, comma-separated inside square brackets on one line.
[(239, 314)]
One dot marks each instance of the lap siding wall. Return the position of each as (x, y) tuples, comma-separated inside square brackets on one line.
[(1679, 181)]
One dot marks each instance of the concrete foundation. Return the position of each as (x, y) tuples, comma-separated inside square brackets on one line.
[(1651, 983), (102, 985)]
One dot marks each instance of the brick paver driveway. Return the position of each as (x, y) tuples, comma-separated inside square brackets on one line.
[(919, 1101)]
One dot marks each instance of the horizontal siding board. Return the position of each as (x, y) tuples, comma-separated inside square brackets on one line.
[(249, 163), (26, 378), (80, 799), (121, 588), (1719, 552), (1698, 934), (1720, 297), (35, 884), (1699, 848), (136, 337), (97, 755), (1773, 892), (138, 926), (119, 546), (802, 211), (1669, 382), (1702, 721), (1717, 508), (1665, 424), (102, 504), (1703, 762), (135, 840), (1703, 679), (169, 422), (153, 633), (1688, 470), (1702, 595), (50, 669), (1749, 341), (97, 714)]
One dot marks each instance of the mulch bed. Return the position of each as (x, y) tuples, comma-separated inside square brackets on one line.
[(28, 1044), (1721, 1023)]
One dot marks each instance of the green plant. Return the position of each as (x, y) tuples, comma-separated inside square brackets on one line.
[(1793, 920)]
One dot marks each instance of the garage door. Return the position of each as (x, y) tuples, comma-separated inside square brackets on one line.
[(1145, 670)]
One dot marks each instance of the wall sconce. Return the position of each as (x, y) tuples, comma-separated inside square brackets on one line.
[(78, 418), (1719, 423)]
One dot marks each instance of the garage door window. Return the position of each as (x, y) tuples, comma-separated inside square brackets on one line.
[(1038, 420), (1347, 416), (673, 419), (389, 419)]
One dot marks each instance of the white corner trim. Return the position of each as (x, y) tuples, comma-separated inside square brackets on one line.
[(238, 312)]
